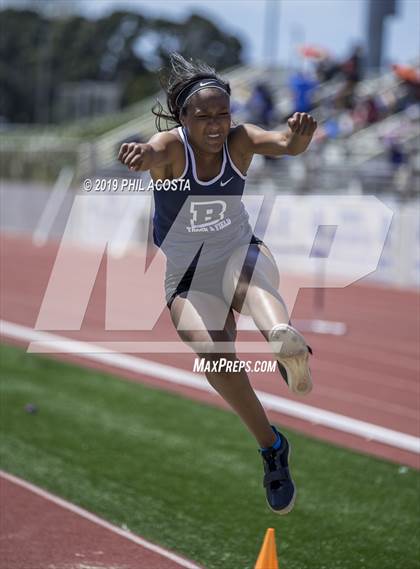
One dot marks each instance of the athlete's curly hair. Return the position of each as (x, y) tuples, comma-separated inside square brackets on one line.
[(180, 74)]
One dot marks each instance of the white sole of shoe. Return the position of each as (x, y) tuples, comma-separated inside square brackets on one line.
[(292, 353)]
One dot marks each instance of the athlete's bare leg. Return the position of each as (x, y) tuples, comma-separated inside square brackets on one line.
[(256, 296), (198, 313)]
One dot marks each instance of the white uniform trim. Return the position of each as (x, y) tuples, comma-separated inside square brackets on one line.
[(235, 168), (181, 134)]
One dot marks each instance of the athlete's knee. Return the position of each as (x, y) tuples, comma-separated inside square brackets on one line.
[(214, 349), (209, 344), (258, 288)]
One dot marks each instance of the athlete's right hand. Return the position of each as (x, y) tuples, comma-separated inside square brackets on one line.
[(136, 156)]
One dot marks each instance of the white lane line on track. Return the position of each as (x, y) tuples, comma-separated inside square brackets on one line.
[(99, 521), (179, 376)]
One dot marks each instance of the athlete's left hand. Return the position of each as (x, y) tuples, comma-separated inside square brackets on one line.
[(302, 124)]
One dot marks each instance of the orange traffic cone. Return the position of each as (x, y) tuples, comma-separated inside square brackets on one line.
[(267, 559)]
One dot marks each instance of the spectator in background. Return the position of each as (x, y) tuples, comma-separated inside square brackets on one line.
[(366, 112), (303, 87), (402, 165), (372, 111), (351, 69), (410, 77), (260, 106), (396, 154), (327, 68)]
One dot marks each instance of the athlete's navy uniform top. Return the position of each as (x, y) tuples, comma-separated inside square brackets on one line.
[(210, 217)]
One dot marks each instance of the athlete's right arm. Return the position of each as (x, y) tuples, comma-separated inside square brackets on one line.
[(160, 151)]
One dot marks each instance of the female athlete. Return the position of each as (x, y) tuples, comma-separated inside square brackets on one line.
[(215, 265)]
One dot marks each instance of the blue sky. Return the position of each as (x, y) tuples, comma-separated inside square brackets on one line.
[(333, 24)]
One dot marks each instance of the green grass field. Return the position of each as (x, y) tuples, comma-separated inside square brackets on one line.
[(188, 476)]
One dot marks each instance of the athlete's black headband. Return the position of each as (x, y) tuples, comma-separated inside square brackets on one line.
[(193, 88)]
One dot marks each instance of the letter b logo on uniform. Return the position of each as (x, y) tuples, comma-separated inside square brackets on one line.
[(207, 213)]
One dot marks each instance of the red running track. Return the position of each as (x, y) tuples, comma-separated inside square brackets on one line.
[(40, 531), (370, 374)]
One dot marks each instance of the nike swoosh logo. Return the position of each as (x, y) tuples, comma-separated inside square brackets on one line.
[(204, 84), (227, 182)]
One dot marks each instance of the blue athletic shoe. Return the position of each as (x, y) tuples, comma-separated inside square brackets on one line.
[(279, 486)]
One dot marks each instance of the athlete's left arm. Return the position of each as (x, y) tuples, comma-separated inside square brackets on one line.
[(275, 143)]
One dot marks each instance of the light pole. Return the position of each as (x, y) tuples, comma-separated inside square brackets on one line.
[(271, 32)]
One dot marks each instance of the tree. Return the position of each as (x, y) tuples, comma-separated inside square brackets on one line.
[(39, 53)]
